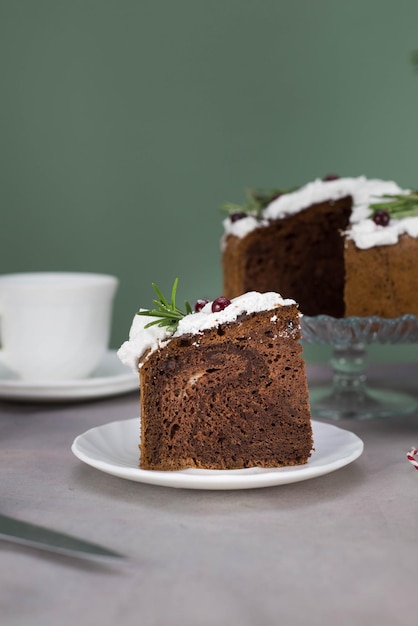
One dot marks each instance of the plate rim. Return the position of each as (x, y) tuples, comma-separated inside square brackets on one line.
[(92, 386), (193, 478)]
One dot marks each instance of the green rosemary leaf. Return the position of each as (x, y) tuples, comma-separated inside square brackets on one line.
[(155, 323), (256, 201), (399, 215), (160, 294), (188, 307), (162, 307), (163, 313), (167, 314), (167, 323), (173, 293), (398, 206), (231, 207)]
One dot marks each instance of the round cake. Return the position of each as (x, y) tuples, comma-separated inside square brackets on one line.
[(339, 246)]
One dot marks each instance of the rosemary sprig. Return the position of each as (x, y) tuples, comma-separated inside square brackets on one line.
[(398, 206), (256, 201), (167, 312)]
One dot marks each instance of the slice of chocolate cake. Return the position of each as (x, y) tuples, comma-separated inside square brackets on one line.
[(226, 390)]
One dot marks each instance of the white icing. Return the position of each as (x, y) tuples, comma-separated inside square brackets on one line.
[(244, 226), (367, 234), (142, 339), (409, 225), (363, 191), (364, 232)]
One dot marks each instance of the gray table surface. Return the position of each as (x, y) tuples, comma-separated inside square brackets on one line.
[(339, 549)]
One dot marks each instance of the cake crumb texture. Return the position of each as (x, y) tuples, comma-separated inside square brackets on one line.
[(232, 397), (300, 256), (382, 281)]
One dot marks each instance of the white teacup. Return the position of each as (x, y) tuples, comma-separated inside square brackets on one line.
[(55, 325)]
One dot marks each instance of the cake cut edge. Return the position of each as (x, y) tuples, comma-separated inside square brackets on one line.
[(226, 390)]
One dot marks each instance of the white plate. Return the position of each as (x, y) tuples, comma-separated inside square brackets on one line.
[(110, 378), (113, 448)]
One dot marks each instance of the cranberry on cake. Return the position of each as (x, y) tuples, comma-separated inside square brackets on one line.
[(339, 246), (223, 387)]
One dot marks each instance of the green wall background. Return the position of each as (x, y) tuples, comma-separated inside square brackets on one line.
[(126, 123)]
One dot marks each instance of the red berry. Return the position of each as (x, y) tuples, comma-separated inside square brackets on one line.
[(220, 304), (381, 218), (199, 305), (331, 177), (239, 215)]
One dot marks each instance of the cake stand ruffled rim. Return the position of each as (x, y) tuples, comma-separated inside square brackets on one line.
[(344, 331)]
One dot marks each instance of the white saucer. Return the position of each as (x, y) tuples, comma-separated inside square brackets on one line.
[(113, 449), (110, 378)]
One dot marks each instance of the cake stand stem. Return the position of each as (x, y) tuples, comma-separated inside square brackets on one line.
[(350, 397)]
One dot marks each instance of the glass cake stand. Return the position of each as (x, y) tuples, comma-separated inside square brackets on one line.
[(349, 395)]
